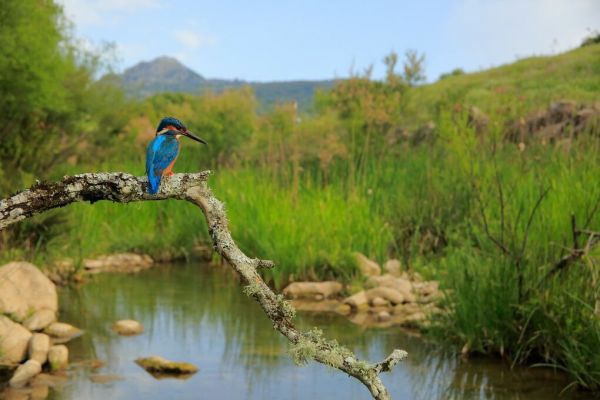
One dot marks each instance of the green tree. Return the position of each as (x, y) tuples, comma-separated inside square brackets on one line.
[(53, 113), (414, 67), (51, 110)]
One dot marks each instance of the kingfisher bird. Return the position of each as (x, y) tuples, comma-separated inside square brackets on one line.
[(163, 150)]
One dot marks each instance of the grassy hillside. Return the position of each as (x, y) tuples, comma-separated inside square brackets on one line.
[(533, 82)]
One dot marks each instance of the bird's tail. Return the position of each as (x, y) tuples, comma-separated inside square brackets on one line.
[(153, 183)]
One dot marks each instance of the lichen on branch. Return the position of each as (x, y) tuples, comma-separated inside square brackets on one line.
[(124, 188)]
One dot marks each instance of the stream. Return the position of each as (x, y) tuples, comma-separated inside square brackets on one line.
[(197, 313)]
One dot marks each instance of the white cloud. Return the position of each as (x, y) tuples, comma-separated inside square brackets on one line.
[(100, 12), (192, 40), (490, 32)]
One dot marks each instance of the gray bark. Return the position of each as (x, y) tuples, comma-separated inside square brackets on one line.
[(123, 188)]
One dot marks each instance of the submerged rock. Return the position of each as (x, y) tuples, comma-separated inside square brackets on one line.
[(25, 290), (366, 266), (14, 340), (161, 367), (312, 289), (92, 364), (35, 392), (128, 327), (55, 381), (105, 378), (24, 373)]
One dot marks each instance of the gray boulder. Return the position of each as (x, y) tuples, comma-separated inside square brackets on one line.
[(325, 289), (61, 332), (14, 339), (128, 327), (24, 373), (392, 267), (58, 357), (366, 266), (39, 345), (122, 262), (25, 291)]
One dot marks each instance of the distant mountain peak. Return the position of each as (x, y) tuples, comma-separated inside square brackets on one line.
[(163, 63), (167, 74), (161, 75)]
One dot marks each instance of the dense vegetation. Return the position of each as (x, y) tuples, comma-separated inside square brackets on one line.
[(463, 180)]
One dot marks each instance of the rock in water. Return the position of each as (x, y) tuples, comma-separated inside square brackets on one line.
[(358, 301), (161, 367), (105, 378), (39, 345), (24, 373), (122, 262), (128, 327), (25, 290), (14, 339), (58, 357), (325, 289), (61, 332)]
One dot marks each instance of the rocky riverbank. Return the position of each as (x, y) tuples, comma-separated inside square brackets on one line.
[(68, 270), (31, 338), (389, 296), (33, 354)]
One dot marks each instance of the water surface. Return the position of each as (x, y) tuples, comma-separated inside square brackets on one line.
[(197, 313)]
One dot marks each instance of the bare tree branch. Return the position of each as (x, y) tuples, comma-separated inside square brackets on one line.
[(486, 228), (535, 208), (124, 188), (574, 255)]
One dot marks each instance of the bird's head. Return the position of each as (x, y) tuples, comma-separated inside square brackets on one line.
[(173, 126)]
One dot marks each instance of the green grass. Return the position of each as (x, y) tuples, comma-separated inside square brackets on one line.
[(531, 84), (311, 233)]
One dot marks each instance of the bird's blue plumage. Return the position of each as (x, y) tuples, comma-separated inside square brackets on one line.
[(161, 153)]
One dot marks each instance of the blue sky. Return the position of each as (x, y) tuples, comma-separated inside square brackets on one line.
[(281, 40)]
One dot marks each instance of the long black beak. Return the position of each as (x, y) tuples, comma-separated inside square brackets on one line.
[(193, 137)]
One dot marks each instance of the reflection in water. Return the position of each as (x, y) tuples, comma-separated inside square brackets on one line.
[(196, 313)]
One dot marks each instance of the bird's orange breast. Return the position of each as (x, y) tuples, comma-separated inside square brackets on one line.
[(168, 170)]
